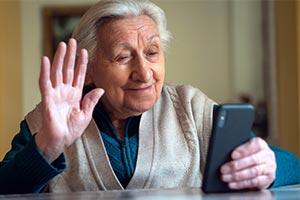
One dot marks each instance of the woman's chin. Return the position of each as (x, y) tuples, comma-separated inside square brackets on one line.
[(140, 107)]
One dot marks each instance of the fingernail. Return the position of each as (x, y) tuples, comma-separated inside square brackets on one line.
[(236, 154), (84, 51), (62, 44), (225, 169), (100, 91), (233, 186), (226, 177), (72, 40)]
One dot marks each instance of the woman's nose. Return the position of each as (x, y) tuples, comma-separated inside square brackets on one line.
[(142, 71)]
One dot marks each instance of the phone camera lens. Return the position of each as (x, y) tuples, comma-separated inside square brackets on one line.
[(222, 118)]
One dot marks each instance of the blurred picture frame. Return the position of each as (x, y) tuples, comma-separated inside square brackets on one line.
[(58, 25)]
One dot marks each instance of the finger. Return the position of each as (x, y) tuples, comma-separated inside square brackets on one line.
[(90, 100), (80, 70), (246, 162), (253, 146), (69, 62), (260, 182), (44, 80), (56, 69), (245, 174)]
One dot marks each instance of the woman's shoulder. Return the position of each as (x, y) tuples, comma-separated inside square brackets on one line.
[(194, 108), (185, 92)]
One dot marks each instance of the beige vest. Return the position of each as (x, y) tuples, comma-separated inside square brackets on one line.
[(173, 141)]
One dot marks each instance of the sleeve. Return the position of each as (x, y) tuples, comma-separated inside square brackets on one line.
[(24, 169), (288, 168)]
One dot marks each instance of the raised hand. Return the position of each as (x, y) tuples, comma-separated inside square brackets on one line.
[(65, 116), (253, 166)]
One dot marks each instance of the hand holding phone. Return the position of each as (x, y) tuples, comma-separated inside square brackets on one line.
[(253, 166), (231, 127)]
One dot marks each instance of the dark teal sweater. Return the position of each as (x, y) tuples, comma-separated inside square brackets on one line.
[(24, 169), (122, 153)]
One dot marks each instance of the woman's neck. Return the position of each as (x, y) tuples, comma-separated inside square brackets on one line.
[(119, 125)]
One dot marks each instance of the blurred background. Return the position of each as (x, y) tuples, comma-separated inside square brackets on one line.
[(233, 50)]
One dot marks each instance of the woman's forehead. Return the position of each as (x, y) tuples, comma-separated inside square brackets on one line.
[(124, 30)]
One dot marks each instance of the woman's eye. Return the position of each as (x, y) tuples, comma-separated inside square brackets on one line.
[(152, 53), (123, 58)]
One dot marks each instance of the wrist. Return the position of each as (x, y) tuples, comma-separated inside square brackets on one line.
[(48, 148)]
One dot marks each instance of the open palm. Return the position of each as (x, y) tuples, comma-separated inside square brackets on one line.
[(65, 115)]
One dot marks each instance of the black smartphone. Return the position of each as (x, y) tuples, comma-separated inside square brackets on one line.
[(232, 125)]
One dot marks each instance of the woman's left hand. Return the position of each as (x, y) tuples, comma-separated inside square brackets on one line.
[(253, 165)]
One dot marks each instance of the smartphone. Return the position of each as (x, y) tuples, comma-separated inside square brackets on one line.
[(232, 125)]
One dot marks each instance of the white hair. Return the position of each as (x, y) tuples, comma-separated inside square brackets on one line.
[(86, 32)]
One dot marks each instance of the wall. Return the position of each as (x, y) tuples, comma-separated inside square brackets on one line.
[(199, 54), (10, 72), (246, 47), (288, 76), (32, 46)]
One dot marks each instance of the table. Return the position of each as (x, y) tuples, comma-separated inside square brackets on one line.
[(288, 192)]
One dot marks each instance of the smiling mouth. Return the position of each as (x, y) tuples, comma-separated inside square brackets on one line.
[(140, 89)]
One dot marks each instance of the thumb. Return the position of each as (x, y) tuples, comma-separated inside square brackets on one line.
[(90, 100)]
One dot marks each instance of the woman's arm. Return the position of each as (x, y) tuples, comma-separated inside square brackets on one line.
[(24, 169), (288, 168), (65, 116)]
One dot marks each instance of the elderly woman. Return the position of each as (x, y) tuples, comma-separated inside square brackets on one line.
[(108, 121)]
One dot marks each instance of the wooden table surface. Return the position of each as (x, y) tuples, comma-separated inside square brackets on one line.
[(288, 192)]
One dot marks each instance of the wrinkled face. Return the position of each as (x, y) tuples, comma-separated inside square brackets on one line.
[(129, 66)]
